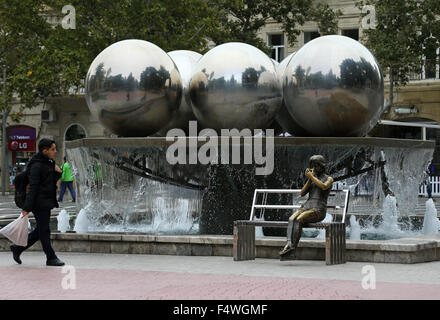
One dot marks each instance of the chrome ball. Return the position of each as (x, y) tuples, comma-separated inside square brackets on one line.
[(185, 61), (283, 117), (134, 88), (235, 85), (281, 67), (333, 86)]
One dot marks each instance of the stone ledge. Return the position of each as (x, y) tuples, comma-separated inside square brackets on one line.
[(104, 237), (406, 250), (401, 245), (138, 238), (69, 236)]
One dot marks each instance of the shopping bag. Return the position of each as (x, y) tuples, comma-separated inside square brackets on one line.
[(17, 230)]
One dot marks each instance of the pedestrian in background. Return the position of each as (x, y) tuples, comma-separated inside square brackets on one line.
[(66, 181)]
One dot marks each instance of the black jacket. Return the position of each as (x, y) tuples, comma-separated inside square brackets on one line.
[(43, 184)]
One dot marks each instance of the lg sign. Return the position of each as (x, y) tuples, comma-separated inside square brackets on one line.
[(21, 145), (21, 139)]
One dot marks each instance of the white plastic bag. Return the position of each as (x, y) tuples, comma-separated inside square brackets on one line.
[(17, 230)]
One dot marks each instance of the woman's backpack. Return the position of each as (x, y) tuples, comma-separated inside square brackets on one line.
[(21, 181)]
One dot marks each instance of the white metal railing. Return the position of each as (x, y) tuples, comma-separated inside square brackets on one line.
[(435, 187), (264, 205)]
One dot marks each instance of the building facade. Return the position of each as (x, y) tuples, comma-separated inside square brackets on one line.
[(60, 119)]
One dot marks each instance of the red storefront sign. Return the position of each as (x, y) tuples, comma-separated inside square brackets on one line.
[(22, 145)]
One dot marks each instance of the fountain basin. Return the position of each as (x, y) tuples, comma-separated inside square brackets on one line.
[(405, 250)]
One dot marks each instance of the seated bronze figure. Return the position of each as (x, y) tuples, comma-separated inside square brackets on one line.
[(318, 187)]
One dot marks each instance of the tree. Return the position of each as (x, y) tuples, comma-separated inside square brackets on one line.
[(42, 59), (183, 24), (405, 32), (24, 59), (242, 19)]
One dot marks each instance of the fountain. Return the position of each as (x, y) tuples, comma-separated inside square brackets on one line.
[(137, 190), (128, 184)]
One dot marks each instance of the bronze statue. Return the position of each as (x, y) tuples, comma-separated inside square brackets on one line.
[(318, 187)]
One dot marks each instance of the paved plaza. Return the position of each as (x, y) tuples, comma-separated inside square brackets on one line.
[(120, 276)]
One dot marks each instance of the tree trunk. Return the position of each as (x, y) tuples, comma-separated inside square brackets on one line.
[(391, 95)]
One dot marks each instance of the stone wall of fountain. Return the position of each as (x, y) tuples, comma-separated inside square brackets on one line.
[(127, 184)]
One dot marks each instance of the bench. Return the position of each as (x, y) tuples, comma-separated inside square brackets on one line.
[(244, 230)]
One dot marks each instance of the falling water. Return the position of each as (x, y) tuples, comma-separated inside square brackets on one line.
[(117, 194), (390, 214), (259, 230), (321, 234), (116, 200), (81, 222), (355, 229), (431, 224), (63, 221), (391, 228)]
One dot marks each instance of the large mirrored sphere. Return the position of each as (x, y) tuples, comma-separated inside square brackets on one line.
[(235, 85), (134, 88), (283, 117), (333, 86), (185, 61)]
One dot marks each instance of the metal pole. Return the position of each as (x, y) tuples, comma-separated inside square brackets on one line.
[(4, 140)]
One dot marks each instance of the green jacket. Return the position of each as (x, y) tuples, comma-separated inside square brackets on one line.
[(67, 173)]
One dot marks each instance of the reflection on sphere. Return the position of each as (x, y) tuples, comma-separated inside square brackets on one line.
[(185, 61), (333, 86), (134, 88), (235, 85)]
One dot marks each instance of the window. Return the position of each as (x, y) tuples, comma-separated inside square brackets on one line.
[(430, 68), (351, 33), (276, 42), (310, 35)]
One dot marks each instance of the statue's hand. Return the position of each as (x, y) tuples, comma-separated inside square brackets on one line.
[(309, 173)]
